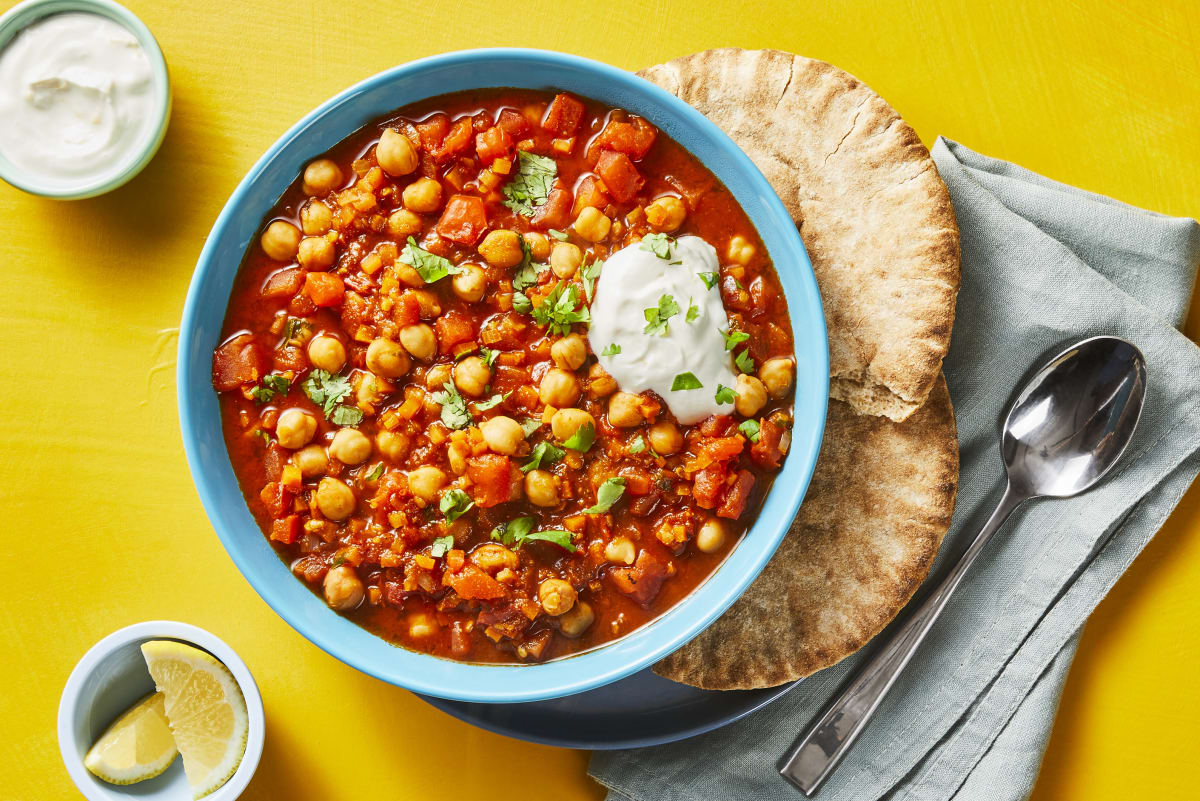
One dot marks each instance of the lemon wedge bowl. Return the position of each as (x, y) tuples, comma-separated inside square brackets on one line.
[(205, 709), (137, 746)]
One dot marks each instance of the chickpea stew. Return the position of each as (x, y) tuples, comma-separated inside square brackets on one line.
[(417, 416)]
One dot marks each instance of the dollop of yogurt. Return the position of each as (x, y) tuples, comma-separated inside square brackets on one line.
[(633, 280), (76, 98)]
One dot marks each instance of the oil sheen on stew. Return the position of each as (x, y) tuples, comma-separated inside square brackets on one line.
[(415, 412)]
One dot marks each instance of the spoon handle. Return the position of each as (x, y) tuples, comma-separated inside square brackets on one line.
[(819, 750)]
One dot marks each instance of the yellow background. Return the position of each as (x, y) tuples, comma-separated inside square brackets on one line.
[(101, 524)]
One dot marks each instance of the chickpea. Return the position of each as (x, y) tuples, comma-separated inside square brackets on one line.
[(311, 460), (777, 376), (502, 248), (539, 245), (436, 377), (386, 358), (396, 153), (541, 488), (419, 340), (423, 196), (600, 383), (281, 240), (456, 455), (402, 224), (502, 434), (295, 428), (740, 250), (492, 556), (470, 284), (315, 218), (335, 500), (666, 213), (392, 445), (350, 446), (570, 352), (472, 376), (321, 177), (556, 596), (327, 353), (565, 259), (315, 253), (711, 535), (429, 305), (620, 551), (559, 388), (751, 395), (566, 422), (665, 437), (625, 410), (592, 224), (343, 588), (408, 275), (424, 482), (576, 621)]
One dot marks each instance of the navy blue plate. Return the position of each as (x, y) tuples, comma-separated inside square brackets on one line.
[(638, 711)]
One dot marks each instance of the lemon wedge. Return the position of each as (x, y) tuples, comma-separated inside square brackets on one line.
[(137, 746), (205, 709)]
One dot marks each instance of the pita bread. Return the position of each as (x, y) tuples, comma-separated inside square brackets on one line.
[(878, 506), (869, 203)]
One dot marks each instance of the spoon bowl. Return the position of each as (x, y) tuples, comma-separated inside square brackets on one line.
[(1074, 418)]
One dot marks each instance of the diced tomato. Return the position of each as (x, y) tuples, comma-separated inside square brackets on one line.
[(554, 213), (619, 175), (492, 144), (464, 219), (473, 584), (286, 530), (452, 328), (237, 362), (284, 283), (324, 289), (356, 311), (707, 485), (737, 496), (432, 131), (301, 306), (766, 452), (718, 425), (644, 135), (638, 480), (455, 559), (294, 359), (634, 139), (458, 140), (407, 310), (642, 581), (277, 498), (513, 122), (563, 116), (493, 479), (274, 460), (722, 449), (589, 192)]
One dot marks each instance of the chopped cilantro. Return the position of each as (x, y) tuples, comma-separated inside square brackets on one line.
[(686, 381), (530, 188), (266, 438), (744, 362), (560, 537), (488, 355), (608, 494), (561, 309), (561, 236), (431, 267), (325, 390), (454, 504), (441, 545), (528, 270), (530, 425), (582, 439), (271, 387), (590, 273), (521, 303), (612, 350), (725, 394), (658, 244), (520, 530), (750, 429), (454, 408), (543, 451), (710, 279), (345, 415), (638, 445), (492, 402), (656, 318), (734, 338), (693, 311), (376, 473)]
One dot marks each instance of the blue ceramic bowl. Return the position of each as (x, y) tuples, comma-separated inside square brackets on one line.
[(237, 227)]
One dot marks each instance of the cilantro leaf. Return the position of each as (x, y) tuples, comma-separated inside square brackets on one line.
[(514, 531), (734, 338), (589, 273), (530, 425), (488, 355), (638, 445), (491, 402), (454, 408), (325, 390), (710, 279), (582, 439), (441, 545), (543, 451), (271, 387), (608, 494), (296, 327), (376, 473), (521, 303), (750, 429), (658, 244), (725, 394), (693, 311), (454, 504), (345, 415), (561, 309), (561, 236), (744, 362), (558, 536), (530, 187), (612, 350), (430, 266), (656, 318), (686, 381), (528, 270)]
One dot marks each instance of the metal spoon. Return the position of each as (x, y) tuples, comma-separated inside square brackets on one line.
[(1064, 431)]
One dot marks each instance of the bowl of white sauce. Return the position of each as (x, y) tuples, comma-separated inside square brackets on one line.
[(84, 97)]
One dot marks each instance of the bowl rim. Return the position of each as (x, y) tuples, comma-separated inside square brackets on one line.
[(72, 696), (510, 683), (24, 14)]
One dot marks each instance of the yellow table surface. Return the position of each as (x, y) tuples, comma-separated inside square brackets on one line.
[(103, 528)]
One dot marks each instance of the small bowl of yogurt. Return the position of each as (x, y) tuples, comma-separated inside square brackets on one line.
[(84, 97)]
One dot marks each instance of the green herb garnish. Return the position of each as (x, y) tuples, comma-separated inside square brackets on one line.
[(529, 189), (725, 394), (543, 451), (454, 407), (346, 416), (454, 504), (734, 338), (431, 267), (441, 545), (638, 445), (750, 429), (325, 390), (744, 362), (488, 355), (612, 350), (528, 270), (589, 274), (710, 279), (686, 381), (519, 531), (608, 494), (521, 303), (561, 309), (582, 439), (492, 402), (658, 244), (530, 425), (561, 236), (693, 311), (271, 387), (657, 317), (376, 473)]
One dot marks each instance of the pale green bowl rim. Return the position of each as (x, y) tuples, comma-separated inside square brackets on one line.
[(24, 14)]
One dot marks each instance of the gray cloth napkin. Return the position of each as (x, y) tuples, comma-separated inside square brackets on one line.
[(1043, 263)]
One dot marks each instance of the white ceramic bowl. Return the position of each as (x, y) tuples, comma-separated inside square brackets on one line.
[(110, 677)]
